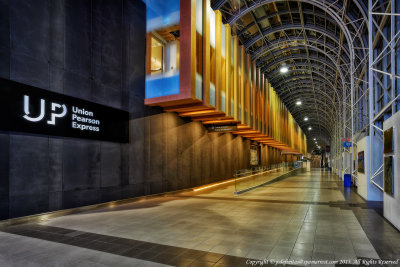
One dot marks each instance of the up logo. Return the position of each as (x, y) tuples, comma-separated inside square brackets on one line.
[(61, 111)]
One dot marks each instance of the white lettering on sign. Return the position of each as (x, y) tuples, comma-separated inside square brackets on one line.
[(82, 111), (54, 107), (84, 119), (79, 121), (84, 127)]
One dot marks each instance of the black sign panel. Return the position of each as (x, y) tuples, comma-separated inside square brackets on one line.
[(25, 108), (222, 128)]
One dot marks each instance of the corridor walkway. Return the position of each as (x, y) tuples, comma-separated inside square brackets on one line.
[(304, 217)]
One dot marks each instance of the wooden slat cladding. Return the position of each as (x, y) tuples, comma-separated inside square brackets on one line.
[(234, 91)]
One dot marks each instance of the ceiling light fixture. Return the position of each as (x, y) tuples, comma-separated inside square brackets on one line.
[(306, 118), (309, 128), (284, 68), (298, 103)]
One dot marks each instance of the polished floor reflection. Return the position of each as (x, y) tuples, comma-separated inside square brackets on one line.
[(305, 217)]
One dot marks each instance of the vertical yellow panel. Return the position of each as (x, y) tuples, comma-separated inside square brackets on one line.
[(227, 69), (206, 53), (248, 89), (264, 104), (218, 60), (276, 109), (254, 93), (255, 97), (258, 98), (235, 77), (267, 107), (271, 117), (242, 83)]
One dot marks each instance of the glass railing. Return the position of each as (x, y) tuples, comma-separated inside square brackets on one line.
[(248, 179)]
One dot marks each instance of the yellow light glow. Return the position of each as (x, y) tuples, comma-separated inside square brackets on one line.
[(229, 181)]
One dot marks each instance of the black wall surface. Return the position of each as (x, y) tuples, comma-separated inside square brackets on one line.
[(95, 50), (92, 50)]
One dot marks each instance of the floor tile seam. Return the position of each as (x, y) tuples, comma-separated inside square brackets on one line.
[(274, 201), (314, 234), (115, 244)]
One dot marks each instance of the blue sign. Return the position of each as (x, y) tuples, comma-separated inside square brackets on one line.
[(347, 144)]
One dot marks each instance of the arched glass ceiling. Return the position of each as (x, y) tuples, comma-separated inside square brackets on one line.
[(315, 39)]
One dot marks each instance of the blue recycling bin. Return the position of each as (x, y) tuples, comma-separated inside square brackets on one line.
[(347, 180)]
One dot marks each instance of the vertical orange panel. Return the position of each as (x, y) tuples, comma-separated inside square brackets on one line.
[(148, 53), (187, 63)]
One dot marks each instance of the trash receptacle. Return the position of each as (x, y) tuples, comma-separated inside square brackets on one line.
[(347, 180)]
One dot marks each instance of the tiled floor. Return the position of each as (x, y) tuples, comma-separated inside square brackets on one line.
[(305, 217)]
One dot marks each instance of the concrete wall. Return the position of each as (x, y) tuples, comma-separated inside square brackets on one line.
[(391, 204), (95, 50)]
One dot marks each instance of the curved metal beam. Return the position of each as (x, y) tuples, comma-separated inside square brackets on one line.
[(302, 77), (310, 41), (277, 74), (361, 6), (324, 128), (302, 57), (286, 12), (307, 101), (309, 95), (272, 30), (323, 121), (315, 67), (332, 7), (299, 47), (316, 124), (292, 106), (297, 113), (304, 88)]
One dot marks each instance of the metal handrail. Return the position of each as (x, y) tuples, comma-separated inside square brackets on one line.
[(260, 169)]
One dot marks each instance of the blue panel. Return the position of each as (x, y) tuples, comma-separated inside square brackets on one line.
[(212, 94), (162, 86), (199, 86), (347, 144), (347, 180), (161, 14)]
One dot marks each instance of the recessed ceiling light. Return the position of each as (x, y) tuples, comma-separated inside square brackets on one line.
[(309, 128), (306, 118), (284, 68), (315, 139), (298, 103)]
